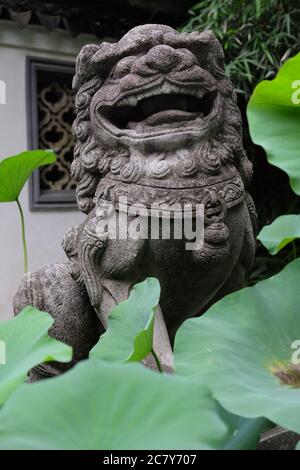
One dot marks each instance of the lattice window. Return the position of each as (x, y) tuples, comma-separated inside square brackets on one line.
[(56, 114), (51, 113)]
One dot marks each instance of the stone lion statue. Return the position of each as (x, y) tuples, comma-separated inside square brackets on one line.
[(157, 124)]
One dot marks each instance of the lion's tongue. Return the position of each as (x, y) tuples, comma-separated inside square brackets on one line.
[(169, 116), (164, 109)]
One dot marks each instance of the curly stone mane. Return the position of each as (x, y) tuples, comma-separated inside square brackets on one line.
[(94, 159)]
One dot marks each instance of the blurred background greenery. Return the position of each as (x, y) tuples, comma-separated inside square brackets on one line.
[(258, 36)]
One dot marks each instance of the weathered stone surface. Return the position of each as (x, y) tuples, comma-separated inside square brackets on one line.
[(53, 290), (157, 123), (278, 439)]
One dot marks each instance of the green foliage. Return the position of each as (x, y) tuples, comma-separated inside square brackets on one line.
[(282, 231), (236, 368), (245, 433), (112, 406), (245, 349), (103, 405), (14, 172), (274, 119), (129, 336), (257, 36), (27, 345)]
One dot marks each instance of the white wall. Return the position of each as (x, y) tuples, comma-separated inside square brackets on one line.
[(44, 229)]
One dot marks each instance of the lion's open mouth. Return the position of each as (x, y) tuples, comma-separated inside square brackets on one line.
[(159, 112)]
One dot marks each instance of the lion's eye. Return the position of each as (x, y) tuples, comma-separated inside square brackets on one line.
[(123, 67)]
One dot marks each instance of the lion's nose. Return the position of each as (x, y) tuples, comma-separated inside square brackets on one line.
[(162, 58)]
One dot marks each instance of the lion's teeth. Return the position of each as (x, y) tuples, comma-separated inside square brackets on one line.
[(132, 125), (129, 101)]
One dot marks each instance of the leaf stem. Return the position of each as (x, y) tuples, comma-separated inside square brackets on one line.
[(23, 236), (157, 361)]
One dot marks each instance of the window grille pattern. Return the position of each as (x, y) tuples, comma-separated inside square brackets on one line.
[(55, 116)]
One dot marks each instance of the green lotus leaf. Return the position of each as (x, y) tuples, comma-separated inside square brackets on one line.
[(245, 433), (129, 335), (25, 344), (15, 170), (98, 405), (274, 119), (246, 347), (279, 233)]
